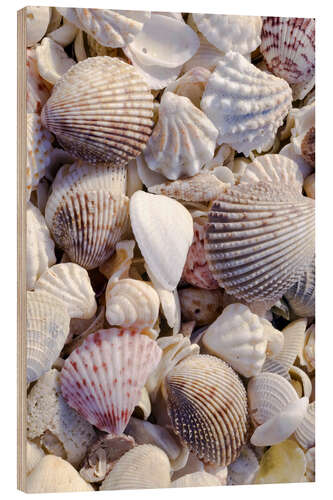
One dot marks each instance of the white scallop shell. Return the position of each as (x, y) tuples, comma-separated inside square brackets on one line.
[(183, 138), (191, 85), (37, 90), (245, 104), (294, 334), (52, 60), (207, 56), (37, 21), (305, 432), (200, 478), (39, 148)]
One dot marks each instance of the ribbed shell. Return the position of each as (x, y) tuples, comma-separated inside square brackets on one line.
[(208, 408), (183, 139), (102, 379), (260, 240), (308, 147), (47, 330), (87, 211), (246, 105), (301, 296), (200, 478), (294, 335), (37, 91), (200, 305), (288, 46), (273, 366), (305, 432), (39, 148), (101, 111)]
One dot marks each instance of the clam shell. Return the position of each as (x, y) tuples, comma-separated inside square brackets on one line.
[(87, 211), (70, 284), (200, 478), (100, 111), (308, 146), (52, 60), (244, 469), (39, 147), (47, 330), (191, 85), (207, 56), (183, 138), (305, 432), (294, 335), (208, 408), (301, 296), (282, 463), (153, 215), (37, 91), (202, 306), (37, 20), (237, 336), (107, 366), (246, 105)]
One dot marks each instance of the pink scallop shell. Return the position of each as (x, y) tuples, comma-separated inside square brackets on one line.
[(103, 378)]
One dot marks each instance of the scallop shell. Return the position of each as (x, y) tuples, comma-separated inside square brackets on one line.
[(39, 148), (260, 240), (294, 334), (238, 33), (244, 469), (107, 366), (200, 478), (207, 56), (308, 146), (273, 366), (191, 85), (152, 215), (288, 47), (111, 28), (83, 196), (282, 463), (70, 284), (40, 246), (246, 104), (47, 330), (37, 20), (183, 138), (237, 336), (208, 408), (37, 91), (146, 466), (106, 118), (52, 60), (301, 296), (202, 306), (305, 432)]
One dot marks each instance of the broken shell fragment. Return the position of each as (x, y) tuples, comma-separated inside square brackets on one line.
[(37, 90), (202, 306), (207, 56), (308, 146), (309, 186), (294, 335), (34, 455)]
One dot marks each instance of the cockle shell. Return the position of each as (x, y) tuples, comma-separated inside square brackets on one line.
[(109, 365), (40, 246), (47, 330), (52, 60), (208, 408), (37, 90), (245, 104), (308, 146), (111, 28), (191, 85), (309, 186), (39, 147), (87, 211), (202, 306), (183, 138), (237, 336), (207, 56), (282, 463), (70, 284), (152, 215), (145, 466), (310, 458), (201, 478), (238, 33), (100, 111), (244, 469), (294, 334), (37, 20), (305, 432), (301, 296)]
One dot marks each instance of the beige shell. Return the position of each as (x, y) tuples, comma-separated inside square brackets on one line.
[(237, 336), (100, 111), (305, 432), (183, 138), (301, 296), (143, 406), (207, 406), (37, 90), (301, 381), (195, 479), (37, 21), (191, 85), (202, 306), (34, 455), (303, 121), (308, 146), (294, 335), (52, 60), (146, 466), (244, 469), (310, 186), (118, 265), (39, 148), (282, 463)]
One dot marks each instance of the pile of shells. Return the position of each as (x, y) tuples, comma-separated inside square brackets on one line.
[(170, 188)]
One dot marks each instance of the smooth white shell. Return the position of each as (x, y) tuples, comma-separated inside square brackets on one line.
[(52, 60), (37, 21)]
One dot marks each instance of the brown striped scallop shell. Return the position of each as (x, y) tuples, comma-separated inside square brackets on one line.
[(207, 405)]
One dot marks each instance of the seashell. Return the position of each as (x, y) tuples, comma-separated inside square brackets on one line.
[(271, 365), (275, 339), (302, 380), (261, 258), (153, 215), (288, 47), (192, 464), (208, 408), (310, 457), (191, 85), (34, 455), (294, 335), (70, 284), (118, 265), (303, 120), (237, 336), (47, 330), (301, 296), (79, 47), (81, 328), (275, 408), (147, 176), (143, 406), (244, 469), (52, 60), (146, 466), (40, 246), (131, 304), (63, 35), (60, 430), (201, 478), (309, 186), (37, 20), (111, 28), (183, 138), (37, 90), (289, 152), (247, 115), (238, 33), (83, 195), (53, 475), (117, 98), (109, 364), (134, 182), (55, 21), (39, 147), (282, 463), (307, 352), (308, 146), (220, 473), (207, 56), (305, 432), (202, 306)]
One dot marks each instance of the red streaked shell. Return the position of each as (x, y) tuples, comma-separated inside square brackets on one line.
[(102, 379)]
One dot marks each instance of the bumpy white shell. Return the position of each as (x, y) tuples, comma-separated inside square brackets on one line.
[(305, 432), (52, 60), (152, 215), (246, 104), (37, 90), (40, 246), (237, 336), (183, 138), (191, 85), (39, 148), (238, 33), (70, 283), (200, 478), (37, 21)]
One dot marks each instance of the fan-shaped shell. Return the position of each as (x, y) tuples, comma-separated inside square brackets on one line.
[(200, 478), (87, 211), (100, 111), (70, 283), (37, 20), (102, 379), (208, 408), (37, 91), (305, 432), (47, 330), (301, 296), (260, 240), (39, 147), (200, 305), (191, 85), (183, 138), (246, 105), (294, 335), (273, 366)]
